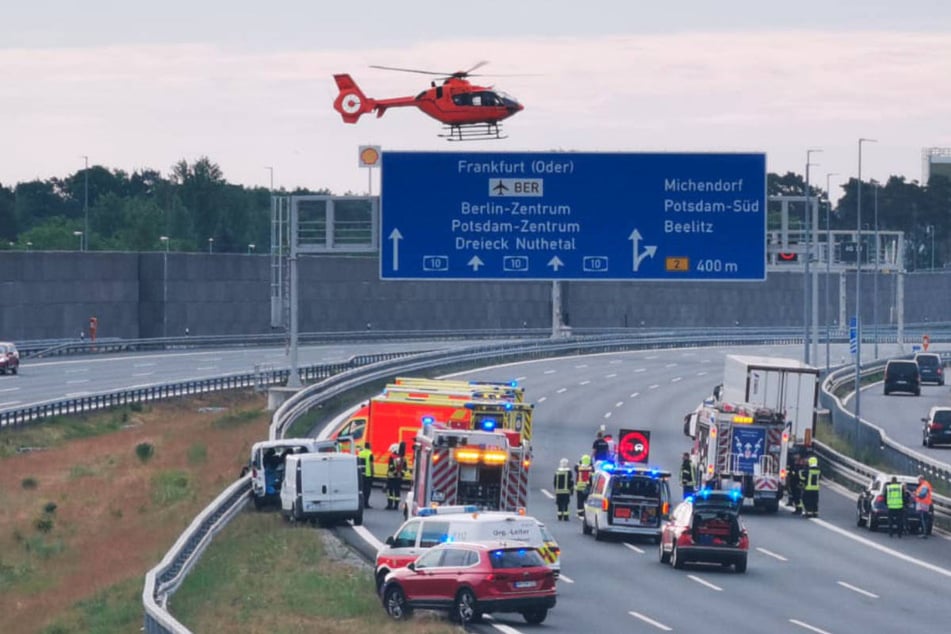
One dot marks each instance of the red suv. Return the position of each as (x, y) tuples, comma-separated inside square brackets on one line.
[(9, 358), (470, 580)]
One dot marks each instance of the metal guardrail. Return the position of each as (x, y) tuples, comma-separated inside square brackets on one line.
[(873, 443), (166, 577)]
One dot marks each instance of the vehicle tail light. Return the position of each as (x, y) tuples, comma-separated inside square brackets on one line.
[(605, 504), (665, 508), (880, 499), (555, 550), (935, 426), (685, 539), (497, 576), (744, 541)]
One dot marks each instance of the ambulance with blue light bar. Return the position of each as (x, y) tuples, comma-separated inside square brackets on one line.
[(744, 447), (487, 468), (626, 499), (508, 390), (396, 416)]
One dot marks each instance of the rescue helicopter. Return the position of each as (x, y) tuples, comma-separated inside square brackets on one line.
[(468, 112)]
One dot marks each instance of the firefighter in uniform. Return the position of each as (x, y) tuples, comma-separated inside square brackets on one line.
[(688, 478), (895, 501), (794, 484), (395, 468), (810, 488), (583, 471), (365, 461), (563, 483)]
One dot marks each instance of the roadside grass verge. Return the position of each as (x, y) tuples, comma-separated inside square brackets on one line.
[(263, 575)]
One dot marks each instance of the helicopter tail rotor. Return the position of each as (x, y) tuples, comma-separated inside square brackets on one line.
[(351, 103)]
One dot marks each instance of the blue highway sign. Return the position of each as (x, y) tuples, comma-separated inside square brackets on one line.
[(573, 216)]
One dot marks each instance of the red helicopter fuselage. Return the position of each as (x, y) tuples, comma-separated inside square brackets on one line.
[(455, 102)]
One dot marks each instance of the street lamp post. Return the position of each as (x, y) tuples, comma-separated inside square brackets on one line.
[(211, 242), (251, 248), (858, 289), (164, 287), (79, 234), (830, 252), (807, 290), (875, 273), (85, 205), (931, 231)]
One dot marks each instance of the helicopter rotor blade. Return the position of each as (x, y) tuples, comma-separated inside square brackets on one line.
[(412, 70)]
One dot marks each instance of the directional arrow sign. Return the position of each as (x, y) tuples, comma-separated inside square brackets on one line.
[(573, 216)]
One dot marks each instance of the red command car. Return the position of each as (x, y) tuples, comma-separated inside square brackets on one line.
[(706, 528), (470, 579)]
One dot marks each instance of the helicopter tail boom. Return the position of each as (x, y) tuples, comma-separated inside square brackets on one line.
[(351, 102)]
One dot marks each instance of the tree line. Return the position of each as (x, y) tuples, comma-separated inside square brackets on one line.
[(196, 209)]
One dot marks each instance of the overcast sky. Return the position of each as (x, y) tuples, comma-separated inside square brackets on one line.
[(249, 84)]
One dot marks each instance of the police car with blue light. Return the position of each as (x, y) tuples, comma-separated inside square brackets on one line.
[(626, 499)]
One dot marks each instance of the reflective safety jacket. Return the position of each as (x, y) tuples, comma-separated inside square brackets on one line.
[(923, 493), (563, 480), (395, 467), (893, 496), (365, 456), (584, 472), (686, 474), (811, 481)]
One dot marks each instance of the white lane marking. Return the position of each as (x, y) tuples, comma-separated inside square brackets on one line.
[(675, 379), (650, 621), (75, 394), (671, 365), (634, 394), (771, 554), (857, 589), (653, 387), (880, 548), (541, 399), (142, 365), (584, 382), (74, 382), (548, 494), (641, 370), (610, 376), (206, 367), (550, 371), (701, 373), (143, 373), (78, 371), (607, 415), (614, 361), (652, 356), (619, 403), (639, 551), (582, 365), (562, 577), (505, 629), (561, 390), (9, 389), (9, 403), (519, 379), (704, 582), (807, 626)]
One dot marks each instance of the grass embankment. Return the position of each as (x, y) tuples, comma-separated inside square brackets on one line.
[(264, 575), (90, 503)]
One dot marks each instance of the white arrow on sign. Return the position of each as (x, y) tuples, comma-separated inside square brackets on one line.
[(648, 251), (475, 262), (555, 263), (396, 236)]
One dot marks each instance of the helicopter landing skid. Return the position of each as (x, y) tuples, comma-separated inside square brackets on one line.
[(473, 132)]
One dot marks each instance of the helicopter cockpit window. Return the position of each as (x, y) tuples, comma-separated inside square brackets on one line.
[(462, 99)]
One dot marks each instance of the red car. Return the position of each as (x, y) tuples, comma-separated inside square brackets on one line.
[(706, 528), (9, 358), (469, 580)]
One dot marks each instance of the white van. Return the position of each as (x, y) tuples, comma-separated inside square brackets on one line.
[(323, 487), (267, 465), (441, 524)]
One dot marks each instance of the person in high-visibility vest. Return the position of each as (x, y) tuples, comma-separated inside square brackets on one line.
[(688, 478), (923, 503), (563, 484), (395, 469), (895, 501), (810, 488), (583, 471), (365, 461)]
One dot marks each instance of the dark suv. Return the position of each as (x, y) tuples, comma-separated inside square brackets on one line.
[(937, 428), (930, 367), (901, 375)]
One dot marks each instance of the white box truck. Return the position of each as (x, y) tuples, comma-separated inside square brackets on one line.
[(785, 385), (322, 487)]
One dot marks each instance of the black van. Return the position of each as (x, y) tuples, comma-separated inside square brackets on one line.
[(930, 367), (901, 375)]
